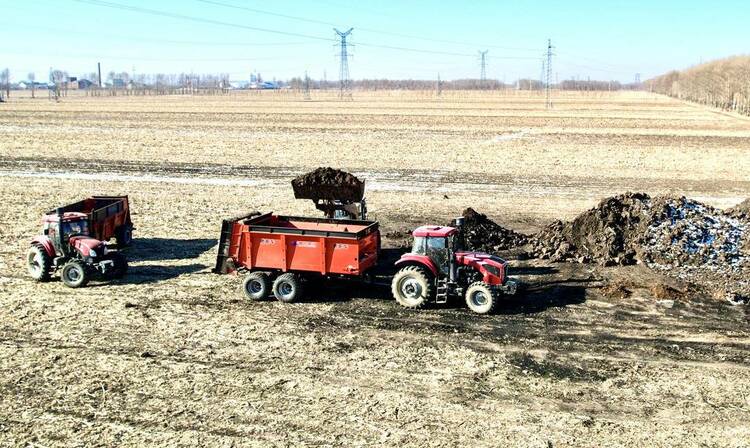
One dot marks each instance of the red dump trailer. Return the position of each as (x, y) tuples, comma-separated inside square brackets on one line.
[(108, 217), (280, 253)]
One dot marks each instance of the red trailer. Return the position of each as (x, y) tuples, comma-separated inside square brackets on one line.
[(108, 217), (280, 253)]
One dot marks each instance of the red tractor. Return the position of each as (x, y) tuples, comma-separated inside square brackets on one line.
[(436, 269), (66, 243)]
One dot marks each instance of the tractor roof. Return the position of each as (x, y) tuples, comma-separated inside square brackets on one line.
[(67, 217), (434, 231)]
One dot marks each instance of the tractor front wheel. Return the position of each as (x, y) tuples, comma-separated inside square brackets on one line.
[(74, 274), (287, 288), (39, 263), (256, 286), (481, 298), (411, 287)]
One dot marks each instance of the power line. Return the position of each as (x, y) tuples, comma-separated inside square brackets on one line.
[(359, 29)]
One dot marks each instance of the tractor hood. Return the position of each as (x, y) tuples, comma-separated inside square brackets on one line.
[(492, 268), (85, 245), (479, 257)]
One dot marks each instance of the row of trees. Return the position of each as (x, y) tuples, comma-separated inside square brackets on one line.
[(724, 84)]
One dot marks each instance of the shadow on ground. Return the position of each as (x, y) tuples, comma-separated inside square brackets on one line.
[(153, 249)]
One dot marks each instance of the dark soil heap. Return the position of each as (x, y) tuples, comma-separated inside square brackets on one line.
[(330, 184), (741, 210), (480, 233), (606, 234)]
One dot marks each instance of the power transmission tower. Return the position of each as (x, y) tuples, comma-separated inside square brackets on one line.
[(548, 84), (637, 79), (345, 88), (439, 86), (307, 87), (483, 64)]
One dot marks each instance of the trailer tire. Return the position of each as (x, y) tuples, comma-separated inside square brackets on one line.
[(39, 263), (481, 298), (412, 287), (256, 286), (74, 274), (287, 288), (124, 236)]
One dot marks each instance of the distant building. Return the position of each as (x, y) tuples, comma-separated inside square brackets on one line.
[(72, 83), (118, 83), (84, 84)]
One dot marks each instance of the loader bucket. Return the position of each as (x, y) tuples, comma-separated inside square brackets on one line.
[(329, 184)]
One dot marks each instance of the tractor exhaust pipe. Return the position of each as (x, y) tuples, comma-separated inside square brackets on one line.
[(453, 269), (60, 233)]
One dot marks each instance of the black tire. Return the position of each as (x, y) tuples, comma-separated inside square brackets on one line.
[(256, 286), (74, 274), (287, 288), (39, 263), (481, 298), (412, 287), (120, 267), (124, 236)]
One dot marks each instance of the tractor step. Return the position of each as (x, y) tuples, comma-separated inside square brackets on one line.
[(441, 296)]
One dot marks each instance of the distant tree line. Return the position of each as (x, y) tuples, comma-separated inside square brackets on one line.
[(724, 83)]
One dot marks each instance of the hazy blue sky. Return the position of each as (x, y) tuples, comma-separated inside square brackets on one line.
[(601, 39)]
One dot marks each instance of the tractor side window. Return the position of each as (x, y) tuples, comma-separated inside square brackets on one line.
[(418, 248), (437, 250)]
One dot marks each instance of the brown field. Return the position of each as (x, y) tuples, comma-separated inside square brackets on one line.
[(173, 355)]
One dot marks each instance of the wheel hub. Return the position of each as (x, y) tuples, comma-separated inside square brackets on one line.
[(255, 286), (411, 289), (479, 298)]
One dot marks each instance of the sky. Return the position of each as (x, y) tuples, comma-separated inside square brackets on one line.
[(407, 39)]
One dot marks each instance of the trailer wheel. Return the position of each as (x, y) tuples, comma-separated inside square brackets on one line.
[(481, 298), (124, 236), (411, 287), (39, 263), (74, 274), (256, 286), (120, 265), (287, 288)]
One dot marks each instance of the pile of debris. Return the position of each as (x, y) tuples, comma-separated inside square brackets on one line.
[(480, 233), (328, 184), (681, 237), (607, 234), (699, 243), (741, 210)]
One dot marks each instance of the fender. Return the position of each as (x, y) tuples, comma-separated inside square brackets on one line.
[(421, 260), (46, 244)]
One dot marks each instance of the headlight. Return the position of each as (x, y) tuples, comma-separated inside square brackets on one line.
[(105, 251), (92, 253)]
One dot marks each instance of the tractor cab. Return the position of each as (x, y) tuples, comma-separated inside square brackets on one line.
[(71, 229), (437, 268)]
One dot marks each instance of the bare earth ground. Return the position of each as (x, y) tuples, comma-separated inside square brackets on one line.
[(173, 354)]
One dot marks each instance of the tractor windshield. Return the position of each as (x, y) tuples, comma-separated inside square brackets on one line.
[(72, 228)]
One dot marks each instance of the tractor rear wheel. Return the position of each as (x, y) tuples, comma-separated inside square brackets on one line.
[(39, 263), (74, 274), (124, 236), (481, 298), (412, 287), (256, 286), (287, 288)]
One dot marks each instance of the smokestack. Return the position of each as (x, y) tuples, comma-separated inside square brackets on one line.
[(99, 69)]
